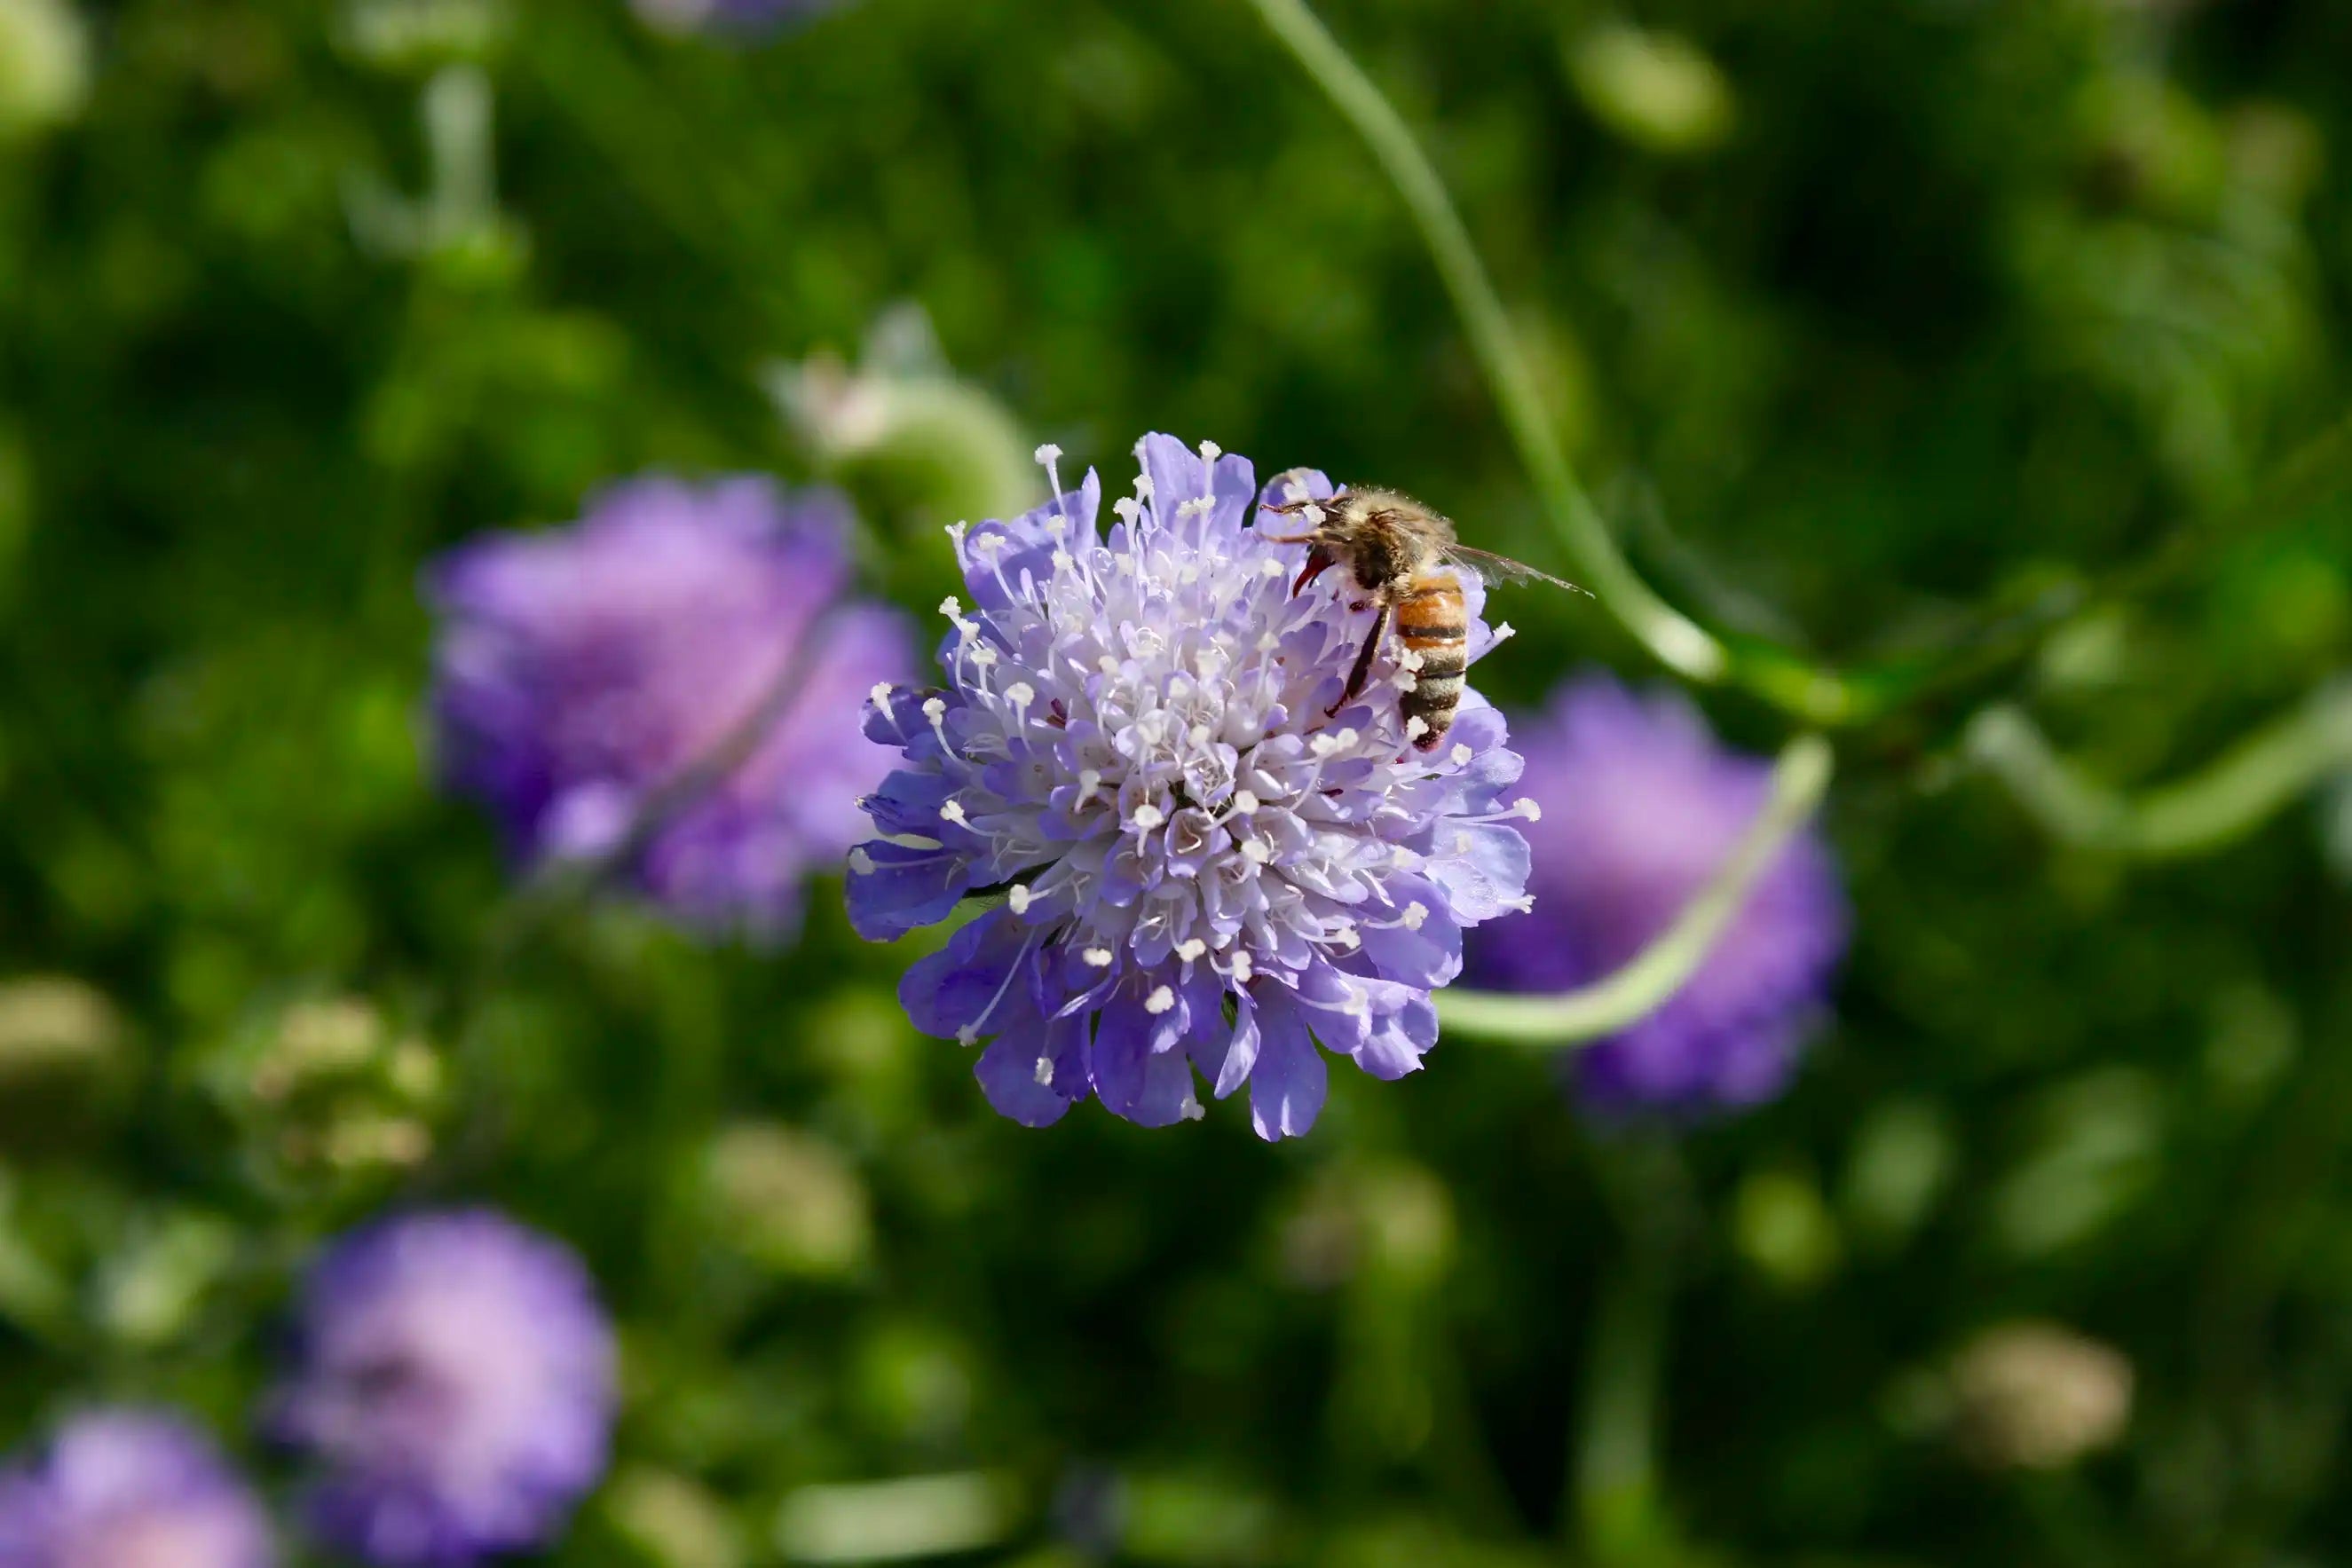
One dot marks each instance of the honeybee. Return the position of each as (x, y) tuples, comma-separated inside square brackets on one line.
[(1403, 558)]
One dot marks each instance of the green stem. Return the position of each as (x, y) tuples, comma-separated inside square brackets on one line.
[(2230, 796), (1625, 998), (1673, 638)]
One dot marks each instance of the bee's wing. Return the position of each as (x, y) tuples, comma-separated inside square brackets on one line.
[(1492, 569)]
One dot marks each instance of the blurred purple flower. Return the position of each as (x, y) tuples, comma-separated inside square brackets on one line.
[(581, 670), (1640, 806), (1201, 868), (738, 18), (454, 1388), (130, 1489)]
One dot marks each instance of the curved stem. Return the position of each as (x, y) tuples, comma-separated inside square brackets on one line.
[(1799, 778), (1673, 638), (2228, 799)]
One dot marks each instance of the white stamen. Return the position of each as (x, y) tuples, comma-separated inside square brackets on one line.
[(1346, 936), (1323, 745), (1149, 816), (1021, 694), (1242, 966), (1098, 956), (881, 695), (1108, 665), (1415, 727), (1019, 898), (935, 708), (1346, 740), (1245, 803), (1090, 781), (1255, 851), (1461, 755), (1049, 452), (1527, 808), (1406, 681), (1211, 452), (953, 812), (1044, 1072), (1191, 949), (1273, 567), (1160, 1001), (1415, 914), (984, 657), (966, 1035), (1506, 631), (1063, 560), (1129, 510), (1192, 1110), (1266, 640), (1410, 660), (990, 545), (950, 607), (1200, 735), (1525, 903)]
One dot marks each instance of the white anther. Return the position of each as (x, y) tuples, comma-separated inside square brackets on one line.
[(966, 1035), (1242, 966), (1149, 816), (935, 708), (1098, 957), (984, 657), (1415, 727), (1406, 681), (1266, 640), (950, 607), (1044, 1072), (860, 863), (1019, 898), (1415, 915), (1021, 694), (1323, 745), (880, 693), (1346, 936), (1199, 734), (1506, 631), (1255, 851), (1108, 665), (1160, 1001), (1461, 843), (1461, 755), (1049, 452), (1525, 903), (1063, 560), (1410, 660), (1191, 949), (1273, 567), (1192, 1110), (1199, 505), (1527, 808), (1211, 452), (1245, 803), (953, 812), (990, 545), (1090, 781), (1346, 740)]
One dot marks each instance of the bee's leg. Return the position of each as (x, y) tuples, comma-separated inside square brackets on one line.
[(1357, 676)]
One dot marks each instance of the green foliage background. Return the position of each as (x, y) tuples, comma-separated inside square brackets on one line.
[(1941, 308)]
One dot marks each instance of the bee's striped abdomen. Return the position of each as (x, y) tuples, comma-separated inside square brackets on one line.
[(1430, 621)]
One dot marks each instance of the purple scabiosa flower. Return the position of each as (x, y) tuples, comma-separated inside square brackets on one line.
[(737, 18), (1641, 805), (454, 1387), (130, 1489), (1203, 866), (580, 671)]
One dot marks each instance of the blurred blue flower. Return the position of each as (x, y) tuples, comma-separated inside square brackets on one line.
[(454, 1389), (739, 18), (1201, 866), (1640, 806), (579, 671), (130, 1489)]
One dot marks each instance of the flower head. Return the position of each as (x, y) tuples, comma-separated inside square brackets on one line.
[(581, 671), (130, 1489), (1640, 806), (737, 18), (1207, 861), (455, 1389)]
